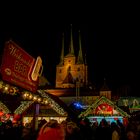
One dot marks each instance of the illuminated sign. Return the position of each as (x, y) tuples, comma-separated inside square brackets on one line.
[(17, 67), (132, 102), (104, 108)]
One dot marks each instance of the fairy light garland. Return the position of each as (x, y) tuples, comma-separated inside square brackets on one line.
[(4, 108), (12, 90), (23, 106), (8, 89), (53, 104), (43, 98)]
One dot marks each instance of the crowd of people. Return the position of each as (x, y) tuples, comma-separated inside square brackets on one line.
[(71, 130)]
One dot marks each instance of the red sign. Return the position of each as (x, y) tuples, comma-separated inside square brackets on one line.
[(17, 66), (104, 108)]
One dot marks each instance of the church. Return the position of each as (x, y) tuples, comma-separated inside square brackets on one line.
[(71, 70), (72, 73)]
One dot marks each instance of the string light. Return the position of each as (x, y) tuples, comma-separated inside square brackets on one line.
[(53, 104), (26, 95), (23, 106), (4, 108), (8, 89), (1, 84), (100, 101)]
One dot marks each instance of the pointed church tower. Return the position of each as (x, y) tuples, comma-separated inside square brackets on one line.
[(62, 52), (71, 48), (80, 54), (68, 70), (70, 58), (105, 91)]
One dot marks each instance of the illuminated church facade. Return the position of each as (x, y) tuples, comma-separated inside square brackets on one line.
[(71, 70), (72, 75)]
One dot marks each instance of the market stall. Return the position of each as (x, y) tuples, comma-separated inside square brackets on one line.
[(103, 108)]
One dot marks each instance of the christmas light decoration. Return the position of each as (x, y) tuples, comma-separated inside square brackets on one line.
[(43, 98), (23, 106), (8, 89), (1, 84), (101, 101), (53, 104), (4, 108)]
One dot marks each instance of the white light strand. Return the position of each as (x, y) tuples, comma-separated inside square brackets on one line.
[(23, 106), (54, 105), (4, 108)]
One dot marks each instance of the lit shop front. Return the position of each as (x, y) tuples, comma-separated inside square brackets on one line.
[(52, 109), (103, 108)]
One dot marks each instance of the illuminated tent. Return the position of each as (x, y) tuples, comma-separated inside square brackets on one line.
[(104, 107)]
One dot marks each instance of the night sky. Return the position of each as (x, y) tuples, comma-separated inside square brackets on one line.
[(111, 47)]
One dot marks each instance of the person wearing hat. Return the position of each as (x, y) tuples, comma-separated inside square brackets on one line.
[(51, 131)]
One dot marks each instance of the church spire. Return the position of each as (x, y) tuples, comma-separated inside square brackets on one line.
[(104, 86), (62, 51), (71, 49), (85, 59), (80, 55)]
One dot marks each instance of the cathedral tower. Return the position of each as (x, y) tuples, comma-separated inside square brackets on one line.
[(71, 69)]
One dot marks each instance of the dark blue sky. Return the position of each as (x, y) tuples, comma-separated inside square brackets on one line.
[(111, 42)]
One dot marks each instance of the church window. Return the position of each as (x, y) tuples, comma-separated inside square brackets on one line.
[(60, 71), (69, 61)]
